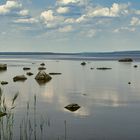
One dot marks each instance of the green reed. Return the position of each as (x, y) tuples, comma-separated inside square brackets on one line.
[(6, 117), (29, 127)]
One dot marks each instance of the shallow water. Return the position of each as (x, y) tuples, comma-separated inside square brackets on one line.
[(110, 107)]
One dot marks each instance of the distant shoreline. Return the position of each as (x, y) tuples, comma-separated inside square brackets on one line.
[(135, 55), (80, 53)]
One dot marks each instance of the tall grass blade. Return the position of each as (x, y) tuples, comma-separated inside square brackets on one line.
[(14, 98)]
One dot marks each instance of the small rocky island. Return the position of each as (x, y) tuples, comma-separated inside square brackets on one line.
[(72, 107), (43, 77), (3, 67), (126, 60), (19, 78)]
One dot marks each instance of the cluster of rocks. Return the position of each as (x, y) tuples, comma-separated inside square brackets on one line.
[(41, 77)]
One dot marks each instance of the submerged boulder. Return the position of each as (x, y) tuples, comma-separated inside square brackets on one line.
[(26, 68), (29, 73), (72, 107), (43, 77), (3, 67), (135, 66), (42, 64), (103, 68), (83, 63), (19, 78), (129, 83), (126, 60), (41, 68), (54, 73), (4, 83)]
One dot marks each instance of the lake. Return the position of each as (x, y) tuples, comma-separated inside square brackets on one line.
[(109, 106)]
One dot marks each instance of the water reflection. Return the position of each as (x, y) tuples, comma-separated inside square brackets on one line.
[(102, 96)]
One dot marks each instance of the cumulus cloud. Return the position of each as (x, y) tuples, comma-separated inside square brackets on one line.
[(47, 16), (135, 21), (9, 6), (50, 19), (68, 28), (63, 10), (13, 8), (79, 15), (114, 11)]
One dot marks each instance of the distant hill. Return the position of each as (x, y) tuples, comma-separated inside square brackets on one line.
[(119, 53), (83, 55)]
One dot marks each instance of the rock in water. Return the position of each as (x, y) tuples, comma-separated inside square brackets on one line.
[(43, 77), (129, 83), (135, 66), (54, 73), (4, 82), (126, 60), (83, 63), (19, 78), (25, 68), (41, 68), (42, 64), (29, 73), (3, 67), (72, 107), (103, 68)]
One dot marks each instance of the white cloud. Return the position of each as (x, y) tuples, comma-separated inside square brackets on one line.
[(24, 12), (76, 20), (135, 21), (113, 11), (26, 20), (47, 16), (81, 19), (118, 9), (76, 2), (63, 10), (51, 20), (9, 6), (13, 5), (67, 1), (68, 28), (69, 20), (118, 30)]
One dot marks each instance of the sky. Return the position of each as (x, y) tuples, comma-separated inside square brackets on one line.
[(69, 25)]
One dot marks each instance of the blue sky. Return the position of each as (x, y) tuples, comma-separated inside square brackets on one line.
[(69, 25)]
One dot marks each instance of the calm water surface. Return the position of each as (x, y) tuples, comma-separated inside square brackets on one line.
[(110, 107)]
